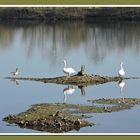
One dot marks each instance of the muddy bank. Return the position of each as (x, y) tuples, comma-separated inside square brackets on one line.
[(70, 13), (73, 80), (58, 118)]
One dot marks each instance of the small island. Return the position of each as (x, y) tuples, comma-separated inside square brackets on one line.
[(61, 117)]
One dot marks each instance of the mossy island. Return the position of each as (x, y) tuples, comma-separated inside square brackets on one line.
[(80, 80), (60, 117)]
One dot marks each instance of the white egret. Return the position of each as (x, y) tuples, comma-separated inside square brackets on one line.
[(121, 71), (68, 71), (15, 73)]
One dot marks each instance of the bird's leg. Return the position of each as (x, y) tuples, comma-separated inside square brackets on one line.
[(67, 75)]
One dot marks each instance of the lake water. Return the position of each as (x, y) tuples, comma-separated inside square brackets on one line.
[(38, 50)]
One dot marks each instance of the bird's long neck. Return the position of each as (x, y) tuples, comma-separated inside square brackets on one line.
[(121, 67), (64, 64)]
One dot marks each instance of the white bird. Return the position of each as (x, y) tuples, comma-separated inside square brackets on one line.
[(15, 73), (121, 71), (68, 71), (121, 85), (69, 90)]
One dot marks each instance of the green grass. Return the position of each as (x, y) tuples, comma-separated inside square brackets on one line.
[(69, 2)]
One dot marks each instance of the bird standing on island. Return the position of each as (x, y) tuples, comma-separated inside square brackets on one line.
[(15, 73), (68, 71), (121, 71)]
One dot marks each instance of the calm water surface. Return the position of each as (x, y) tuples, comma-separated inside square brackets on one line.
[(38, 50)]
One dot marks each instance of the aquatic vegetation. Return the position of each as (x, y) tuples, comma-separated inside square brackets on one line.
[(78, 80), (48, 117), (60, 117)]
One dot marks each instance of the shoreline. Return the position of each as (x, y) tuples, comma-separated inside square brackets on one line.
[(88, 14)]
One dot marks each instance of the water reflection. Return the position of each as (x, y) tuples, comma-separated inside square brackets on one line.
[(67, 91), (121, 85), (82, 89), (55, 41), (15, 81), (23, 46)]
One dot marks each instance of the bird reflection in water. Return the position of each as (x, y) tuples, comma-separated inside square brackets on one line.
[(121, 85), (67, 91), (15, 81)]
